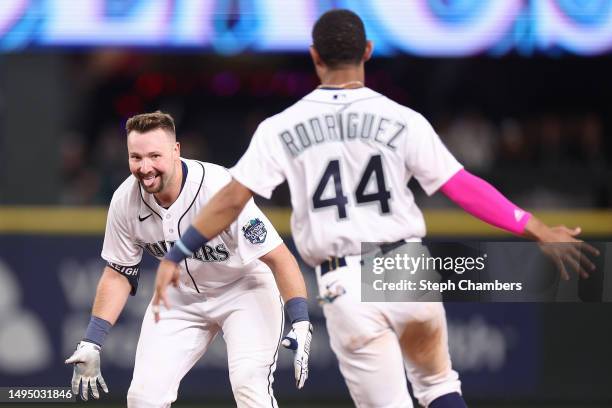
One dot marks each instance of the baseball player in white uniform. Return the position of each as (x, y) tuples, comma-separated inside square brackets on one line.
[(226, 285), (348, 153)]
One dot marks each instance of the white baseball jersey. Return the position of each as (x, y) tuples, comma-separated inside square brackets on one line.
[(223, 287), (136, 222), (347, 155)]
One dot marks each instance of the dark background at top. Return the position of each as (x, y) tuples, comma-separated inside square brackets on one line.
[(539, 127)]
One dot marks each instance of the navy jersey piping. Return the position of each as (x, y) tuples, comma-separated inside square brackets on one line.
[(273, 364), (180, 219), (145, 202)]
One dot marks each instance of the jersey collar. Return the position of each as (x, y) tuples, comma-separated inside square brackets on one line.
[(340, 96)]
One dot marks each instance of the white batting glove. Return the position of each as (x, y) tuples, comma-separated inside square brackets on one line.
[(298, 340), (86, 360)]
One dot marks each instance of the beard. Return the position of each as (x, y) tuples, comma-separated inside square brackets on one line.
[(158, 185)]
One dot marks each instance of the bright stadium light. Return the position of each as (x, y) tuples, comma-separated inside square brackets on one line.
[(432, 28)]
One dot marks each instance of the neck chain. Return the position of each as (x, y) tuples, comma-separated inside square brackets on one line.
[(346, 85)]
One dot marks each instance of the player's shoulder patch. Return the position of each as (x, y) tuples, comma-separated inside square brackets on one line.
[(255, 231)]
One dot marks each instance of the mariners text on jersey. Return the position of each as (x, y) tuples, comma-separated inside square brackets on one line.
[(207, 253), (345, 127)]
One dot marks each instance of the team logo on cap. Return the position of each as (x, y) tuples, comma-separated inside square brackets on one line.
[(255, 231)]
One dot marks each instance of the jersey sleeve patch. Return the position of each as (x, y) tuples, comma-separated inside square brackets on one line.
[(255, 231), (132, 273)]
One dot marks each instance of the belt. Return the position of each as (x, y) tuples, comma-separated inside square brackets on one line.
[(332, 263), (336, 262)]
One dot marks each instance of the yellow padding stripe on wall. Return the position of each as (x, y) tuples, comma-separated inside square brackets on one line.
[(53, 220), (448, 223)]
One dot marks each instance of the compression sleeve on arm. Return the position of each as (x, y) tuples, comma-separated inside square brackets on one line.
[(297, 309), (97, 330), (484, 202)]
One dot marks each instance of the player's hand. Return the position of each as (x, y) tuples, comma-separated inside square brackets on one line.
[(564, 248), (167, 273), (87, 374), (298, 340)]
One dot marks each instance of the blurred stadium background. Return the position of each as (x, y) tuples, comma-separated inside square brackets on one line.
[(519, 90)]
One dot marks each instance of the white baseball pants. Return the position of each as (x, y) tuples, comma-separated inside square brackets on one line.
[(249, 312), (378, 343)]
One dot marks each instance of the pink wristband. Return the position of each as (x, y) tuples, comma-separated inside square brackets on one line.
[(484, 202)]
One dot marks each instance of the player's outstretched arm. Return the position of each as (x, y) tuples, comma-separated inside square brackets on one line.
[(222, 209), (486, 203), (111, 295)]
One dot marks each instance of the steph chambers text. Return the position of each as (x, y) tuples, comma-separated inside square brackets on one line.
[(462, 285)]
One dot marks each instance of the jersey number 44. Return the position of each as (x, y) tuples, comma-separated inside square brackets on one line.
[(332, 173)]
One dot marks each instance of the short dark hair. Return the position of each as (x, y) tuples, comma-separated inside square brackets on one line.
[(339, 38), (150, 121)]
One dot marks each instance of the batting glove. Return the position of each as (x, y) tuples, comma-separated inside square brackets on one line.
[(86, 360), (298, 340)]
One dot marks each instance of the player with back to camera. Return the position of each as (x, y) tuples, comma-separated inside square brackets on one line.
[(226, 284), (348, 153)]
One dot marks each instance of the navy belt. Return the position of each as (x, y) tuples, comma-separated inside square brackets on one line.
[(335, 262), (332, 263)]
